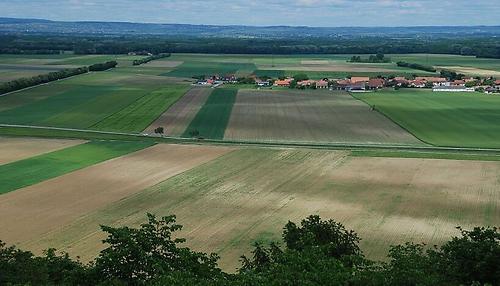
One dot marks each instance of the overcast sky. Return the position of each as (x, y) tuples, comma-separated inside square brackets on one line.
[(326, 13)]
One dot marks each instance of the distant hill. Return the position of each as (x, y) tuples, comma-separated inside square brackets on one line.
[(40, 26)]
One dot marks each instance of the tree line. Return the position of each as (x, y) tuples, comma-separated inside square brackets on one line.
[(416, 66), (150, 58), (316, 252), (80, 44), (378, 58), (21, 83)]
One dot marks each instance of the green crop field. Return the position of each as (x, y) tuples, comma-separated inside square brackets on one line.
[(30, 171), (449, 60), (141, 113), (443, 119), (212, 119), (86, 100)]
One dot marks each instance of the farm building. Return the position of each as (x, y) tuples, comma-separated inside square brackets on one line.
[(357, 79), (357, 87), (322, 84), (452, 89), (492, 89), (263, 83), (376, 83), (431, 79), (458, 83), (306, 83), (283, 83), (400, 81), (418, 83)]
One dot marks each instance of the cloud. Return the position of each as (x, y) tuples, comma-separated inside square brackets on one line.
[(264, 12)]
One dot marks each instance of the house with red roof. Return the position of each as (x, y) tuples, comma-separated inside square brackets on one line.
[(375, 83), (322, 84), (283, 83)]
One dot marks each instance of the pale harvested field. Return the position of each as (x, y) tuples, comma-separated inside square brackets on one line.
[(472, 71), (177, 118), (14, 149), (309, 116), (249, 195), (34, 211)]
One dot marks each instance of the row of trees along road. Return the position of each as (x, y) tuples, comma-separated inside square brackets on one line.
[(21, 83), (316, 252)]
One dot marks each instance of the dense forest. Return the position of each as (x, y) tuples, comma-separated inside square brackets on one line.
[(55, 43), (316, 252)]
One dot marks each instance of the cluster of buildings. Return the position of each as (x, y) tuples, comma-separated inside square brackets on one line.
[(365, 84), (217, 80), (351, 84)]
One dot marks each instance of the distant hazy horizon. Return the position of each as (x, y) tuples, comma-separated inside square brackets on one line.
[(312, 13)]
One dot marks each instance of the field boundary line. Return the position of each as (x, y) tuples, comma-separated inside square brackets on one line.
[(393, 121), (166, 110), (332, 145)]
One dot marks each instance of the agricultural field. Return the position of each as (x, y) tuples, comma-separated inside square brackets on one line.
[(194, 69), (48, 206), (17, 66), (442, 119), (32, 170), (315, 66), (101, 100), (247, 195), (143, 111), (330, 66), (10, 72), (212, 119), (178, 117), (15, 149), (463, 64), (309, 116), (66, 59), (56, 192)]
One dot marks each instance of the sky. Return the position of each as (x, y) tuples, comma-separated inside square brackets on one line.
[(317, 13)]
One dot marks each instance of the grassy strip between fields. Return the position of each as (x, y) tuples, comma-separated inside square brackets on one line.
[(397, 152), (212, 119), (140, 114), (33, 170)]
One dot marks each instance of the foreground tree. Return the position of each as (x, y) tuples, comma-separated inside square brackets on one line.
[(137, 256), (318, 252)]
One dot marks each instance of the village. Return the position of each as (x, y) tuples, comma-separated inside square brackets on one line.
[(364, 84)]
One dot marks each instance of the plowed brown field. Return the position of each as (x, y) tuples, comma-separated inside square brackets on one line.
[(309, 116)]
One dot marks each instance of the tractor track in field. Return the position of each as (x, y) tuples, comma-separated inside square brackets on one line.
[(278, 144)]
